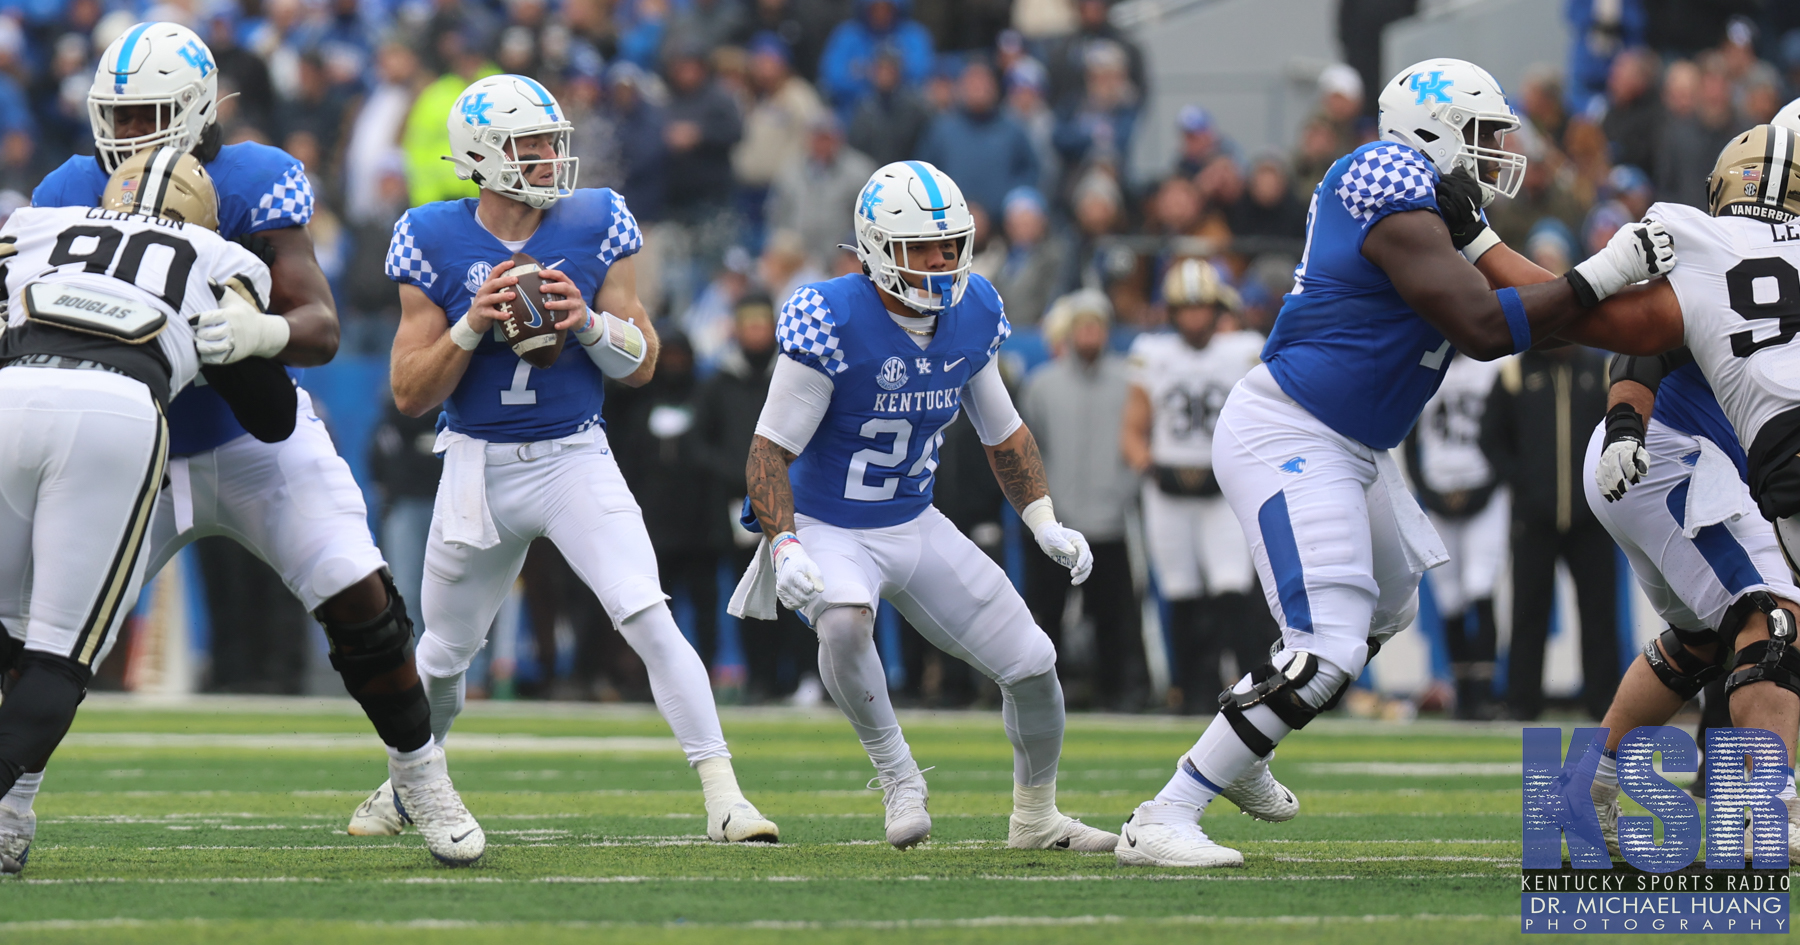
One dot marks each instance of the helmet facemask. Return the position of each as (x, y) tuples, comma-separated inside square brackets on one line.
[(513, 179), (894, 258), (174, 124)]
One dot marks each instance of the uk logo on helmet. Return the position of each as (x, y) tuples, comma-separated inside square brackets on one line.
[(893, 374), (870, 194), (1433, 87), (196, 56), (475, 109)]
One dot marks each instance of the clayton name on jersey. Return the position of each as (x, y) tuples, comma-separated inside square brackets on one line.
[(444, 250), (872, 460)]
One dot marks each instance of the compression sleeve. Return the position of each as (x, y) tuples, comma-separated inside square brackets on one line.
[(798, 398), (1648, 371), (989, 406)]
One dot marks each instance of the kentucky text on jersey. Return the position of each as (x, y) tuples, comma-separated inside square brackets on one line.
[(1346, 346), (867, 467), (442, 249), (260, 188)]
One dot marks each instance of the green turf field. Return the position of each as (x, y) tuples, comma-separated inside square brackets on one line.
[(205, 821)]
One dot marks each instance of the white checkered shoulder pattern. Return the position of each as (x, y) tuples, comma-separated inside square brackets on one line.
[(405, 262), (289, 202), (622, 234), (807, 332), (1002, 331), (1384, 177)]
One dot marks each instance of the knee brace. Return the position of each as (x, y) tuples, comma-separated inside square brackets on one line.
[(1277, 687), (364, 652), (1773, 660), (1682, 672)]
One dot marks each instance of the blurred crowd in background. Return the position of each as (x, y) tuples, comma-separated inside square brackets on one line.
[(740, 131)]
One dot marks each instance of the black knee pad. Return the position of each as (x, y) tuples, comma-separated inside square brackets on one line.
[(34, 719), (362, 651), (10, 652), (1682, 672), (1279, 689)]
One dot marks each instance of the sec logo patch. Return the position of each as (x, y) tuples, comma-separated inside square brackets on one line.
[(478, 275), (892, 375)]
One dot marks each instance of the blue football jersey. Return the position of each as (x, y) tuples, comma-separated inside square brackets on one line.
[(260, 188), (441, 248), (1686, 404), (872, 460), (1345, 345)]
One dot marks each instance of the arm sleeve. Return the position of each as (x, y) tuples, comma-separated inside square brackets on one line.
[(1648, 371), (798, 397), (989, 406)]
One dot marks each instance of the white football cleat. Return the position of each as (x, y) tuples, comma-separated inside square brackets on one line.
[(1170, 835), (16, 833), (377, 816), (426, 799), (1058, 832), (1259, 795), (1606, 807), (738, 821), (904, 796), (1793, 807)]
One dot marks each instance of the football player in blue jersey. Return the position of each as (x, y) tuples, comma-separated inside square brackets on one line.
[(1385, 295), (875, 366), (293, 504), (525, 451)]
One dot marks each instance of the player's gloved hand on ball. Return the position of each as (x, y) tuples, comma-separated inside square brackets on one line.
[(797, 577), (236, 330), (1064, 545), (1623, 459), (1639, 251), (1459, 203)]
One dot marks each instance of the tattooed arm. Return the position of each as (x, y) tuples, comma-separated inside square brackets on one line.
[(1019, 468), (771, 494)]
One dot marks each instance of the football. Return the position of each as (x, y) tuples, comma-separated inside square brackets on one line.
[(529, 325)]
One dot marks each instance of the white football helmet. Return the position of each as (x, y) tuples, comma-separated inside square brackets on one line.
[(485, 121), (912, 202), (1440, 107), (158, 64), (1788, 117)]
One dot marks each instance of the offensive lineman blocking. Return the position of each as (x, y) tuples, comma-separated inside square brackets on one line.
[(526, 454)]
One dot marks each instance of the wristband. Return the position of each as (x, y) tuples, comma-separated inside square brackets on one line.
[(463, 336), (1487, 240), (1038, 514), (591, 330), (1516, 322), (780, 544)]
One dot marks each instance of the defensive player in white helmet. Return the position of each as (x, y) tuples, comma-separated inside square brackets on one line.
[(99, 336), (1179, 380), (1470, 510), (1700, 437), (525, 453), (293, 504), (1387, 292), (874, 367)]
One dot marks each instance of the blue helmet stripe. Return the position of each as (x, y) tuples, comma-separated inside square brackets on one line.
[(548, 99), (125, 51), (932, 193)]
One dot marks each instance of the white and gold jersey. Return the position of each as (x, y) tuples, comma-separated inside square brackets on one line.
[(1187, 387), (1738, 282), (1449, 430), (122, 278)]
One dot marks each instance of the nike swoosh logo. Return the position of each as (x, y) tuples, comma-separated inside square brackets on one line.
[(951, 365), (723, 824), (465, 836), (556, 263), (1062, 844)]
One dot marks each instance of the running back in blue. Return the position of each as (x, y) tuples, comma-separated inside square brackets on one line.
[(872, 460), (1686, 404), (260, 188), (1345, 345), (441, 248)]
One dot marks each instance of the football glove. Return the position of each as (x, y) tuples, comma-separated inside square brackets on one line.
[(797, 577), (237, 330), (1623, 459), (1638, 251), (1459, 203), (1064, 545)]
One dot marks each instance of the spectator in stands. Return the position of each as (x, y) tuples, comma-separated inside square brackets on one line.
[(427, 137), (977, 144), (370, 310), (802, 24), (1099, 209), (845, 65), (889, 121), (1066, 56), (1026, 86), (1601, 30), (1550, 245), (782, 112), (318, 110), (1316, 151), (642, 150), (702, 126), (784, 265), (405, 473), (1541, 100), (240, 70), (1631, 188), (1534, 433), (1633, 109), (815, 195), (778, 653), (595, 139), (1073, 406), (1545, 194), (1098, 128), (1269, 208), (379, 118), (1686, 28), (1221, 186), (1034, 261), (704, 24), (1341, 103), (1686, 150), (940, 85), (1760, 97), (60, 94), (1200, 140)]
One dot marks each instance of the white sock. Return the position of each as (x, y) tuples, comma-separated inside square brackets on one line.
[(420, 753), (678, 681), (1607, 775), (1032, 803), (851, 671), (430, 767), (718, 783), (24, 792), (1033, 713), (446, 695)]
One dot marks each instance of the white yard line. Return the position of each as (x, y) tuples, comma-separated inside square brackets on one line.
[(324, 741)]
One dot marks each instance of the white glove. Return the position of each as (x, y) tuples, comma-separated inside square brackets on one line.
[(1065, 546), (1638, 251), (1622, 464), (236, 330), (797, 577)]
